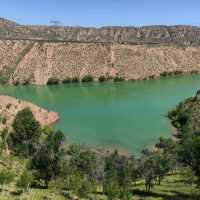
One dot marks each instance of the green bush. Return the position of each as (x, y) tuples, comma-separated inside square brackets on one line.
[(67, 80), (178, 72), (152, 77), (194, 72), (109, 78), (26, 82), (102, 79), (53, 81), (4, 120), (75, 80), (118, 79), (164, 74), (87, 78), (16, 82)]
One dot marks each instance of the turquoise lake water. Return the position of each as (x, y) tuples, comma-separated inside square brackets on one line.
[(127, 115)]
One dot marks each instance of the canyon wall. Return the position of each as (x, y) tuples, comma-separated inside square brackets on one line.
[(37, 61), (33, 54)]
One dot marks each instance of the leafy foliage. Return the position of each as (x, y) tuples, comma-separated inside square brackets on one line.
[(87, 78), (102, 78), (53, 81), (26, 133), (25, 181), (6, 177), (67, 80), (75, 79), (118, 79), (46, 162)]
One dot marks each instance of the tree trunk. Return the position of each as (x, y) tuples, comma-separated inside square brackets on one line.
[(46, 184)]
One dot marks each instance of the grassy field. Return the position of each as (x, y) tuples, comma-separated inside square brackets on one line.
[(173, 187)]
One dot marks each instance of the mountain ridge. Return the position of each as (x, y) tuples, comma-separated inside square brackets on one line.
[(175, 34)]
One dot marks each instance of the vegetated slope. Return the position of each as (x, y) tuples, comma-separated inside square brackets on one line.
[(34, 54), (186, 117)]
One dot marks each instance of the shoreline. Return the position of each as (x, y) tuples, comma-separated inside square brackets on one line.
[(170, 74), (10, 106)]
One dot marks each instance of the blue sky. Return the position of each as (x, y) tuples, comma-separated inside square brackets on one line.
[(102, 12)]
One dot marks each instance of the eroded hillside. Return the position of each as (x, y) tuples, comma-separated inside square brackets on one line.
[(35, 62), (33, 54)]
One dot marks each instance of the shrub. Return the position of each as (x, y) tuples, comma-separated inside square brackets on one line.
[(8, 106), (177, 72), (102, 79), (152, 77), (164, 74), (16, 82), (87, 78), (110, 78), (4, 120), (194, 72), (67, 80), (118, 79), (53, 81), (75, 80), (26, 82)]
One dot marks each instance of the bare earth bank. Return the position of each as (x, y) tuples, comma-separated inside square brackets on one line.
[(10, 106)]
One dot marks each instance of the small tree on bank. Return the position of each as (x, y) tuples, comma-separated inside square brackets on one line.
[(6, 177), (25, 181), (46, 163), (26, 133)]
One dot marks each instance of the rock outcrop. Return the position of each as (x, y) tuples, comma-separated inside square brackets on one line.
[(9, 107)]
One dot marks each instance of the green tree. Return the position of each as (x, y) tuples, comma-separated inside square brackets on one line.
[(118, 174), (189, 151), (85, 162), (161, 166), (6, 177), (167, 145), (26, 133), (4, 140), (148, 171), (46, 163), (25, 181), (112, 188)]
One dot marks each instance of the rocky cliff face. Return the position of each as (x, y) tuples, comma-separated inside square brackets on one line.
[(133, 53), (36, 62)]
